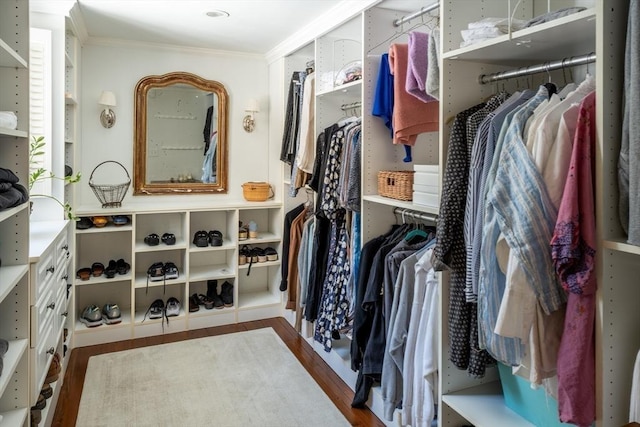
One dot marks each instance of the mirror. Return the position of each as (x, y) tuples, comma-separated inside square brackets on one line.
[(180, 141)]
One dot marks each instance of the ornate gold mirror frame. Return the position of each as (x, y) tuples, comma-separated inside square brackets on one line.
[(180, 144)]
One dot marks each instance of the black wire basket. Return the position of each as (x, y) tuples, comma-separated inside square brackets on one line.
[(110, 195)]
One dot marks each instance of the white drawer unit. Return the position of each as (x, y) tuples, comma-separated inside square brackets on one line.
[(50, 270)]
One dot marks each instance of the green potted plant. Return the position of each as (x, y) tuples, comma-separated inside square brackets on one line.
[(37, 173)]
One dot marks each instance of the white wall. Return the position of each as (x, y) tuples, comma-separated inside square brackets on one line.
[(119, 67)]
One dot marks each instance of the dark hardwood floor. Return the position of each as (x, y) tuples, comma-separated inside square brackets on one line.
[(333, 386)]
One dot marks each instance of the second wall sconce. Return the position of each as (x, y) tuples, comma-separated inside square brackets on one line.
[(249, 122), (107, 116)]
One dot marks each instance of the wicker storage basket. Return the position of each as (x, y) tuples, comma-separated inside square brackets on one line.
[(257, 191), (396, 184)]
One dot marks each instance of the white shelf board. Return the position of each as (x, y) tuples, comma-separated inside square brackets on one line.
[(483, 406), (564, 37), (8, 213), (14, 132), (106, 229), (207, 272), (140, 316), (10, 58), (347, 87), (10, 275), (103, 279), (227, 245), (70, 100), (259, 265), (81, 328), (143, 247), (10, 360), (203, 312), (14, 418), (141, 281), (400, 204), (68, 61), (621, 245), (257, 299), (266, 237)]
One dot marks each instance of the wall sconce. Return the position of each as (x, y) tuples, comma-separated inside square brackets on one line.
[(249, 122), (108, 116)]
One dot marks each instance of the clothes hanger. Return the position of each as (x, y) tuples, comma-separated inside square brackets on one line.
[(403, 31)]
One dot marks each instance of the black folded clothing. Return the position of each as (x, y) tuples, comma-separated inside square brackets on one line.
[(7, 175), (14, 196)]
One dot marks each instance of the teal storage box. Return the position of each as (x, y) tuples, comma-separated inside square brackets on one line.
[(534, 406)]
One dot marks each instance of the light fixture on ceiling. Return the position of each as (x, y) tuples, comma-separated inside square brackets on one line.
[(217, 13), (108, 116), (249, 122)]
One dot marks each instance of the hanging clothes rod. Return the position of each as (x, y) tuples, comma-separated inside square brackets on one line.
[(351, 106), (540, 68), (421, 12), (424, 216)]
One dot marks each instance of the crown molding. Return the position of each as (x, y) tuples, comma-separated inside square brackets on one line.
[(112, 42)]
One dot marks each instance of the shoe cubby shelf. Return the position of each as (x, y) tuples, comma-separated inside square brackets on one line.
[(17, 417), (196, 265), (9, 277), (11, 359)]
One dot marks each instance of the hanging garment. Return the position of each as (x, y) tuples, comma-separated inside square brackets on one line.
[(398, 324), (286, 240), (420, 392), (305, 155), (410, 116), (296, 176), (492, 282), (209, 171), (573, 249), (383, 96), (304, 262), (629, 160), (449, 251), (417, 66), (474, 207), (432, 83), (292, 120), (207, 129), (295, 236)]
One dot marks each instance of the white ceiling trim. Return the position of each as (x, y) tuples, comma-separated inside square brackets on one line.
[(340, 13), (101, 41)]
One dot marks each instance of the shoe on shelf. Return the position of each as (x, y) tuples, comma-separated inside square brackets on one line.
[(83, 274), (206, 301), (169, 239), (215, 238), (122, 266), (244, 254), (212, 293), (253, 230), (170, 271), (271, 254), (36, 417), (54, 369), (173, 307), (91, 316), (226, 294), (97, 268), (84, 223), (262, 256), (120, 220), (243, 232), (41, 403), (156, 272), (46, 391), (194, 303), (111, 270), (155, 310), (111, 314), (201, 239), (99, 221), (152, 239)]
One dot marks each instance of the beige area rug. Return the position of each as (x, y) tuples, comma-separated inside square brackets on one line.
[(241, 379)]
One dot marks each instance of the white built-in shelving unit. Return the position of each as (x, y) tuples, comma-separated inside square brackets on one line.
[(599, 29), (14, 222)]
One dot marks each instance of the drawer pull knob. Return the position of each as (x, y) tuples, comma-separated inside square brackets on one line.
[(65, 314), (51, 350), (52, 306), (65, 247), (51, 269), (65, 277)]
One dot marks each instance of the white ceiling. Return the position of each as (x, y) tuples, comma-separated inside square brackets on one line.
[(254, 26)]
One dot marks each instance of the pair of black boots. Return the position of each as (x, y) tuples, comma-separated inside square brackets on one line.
[(225, 295)]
